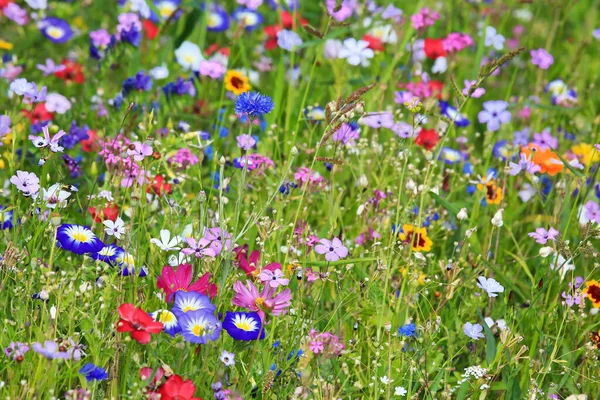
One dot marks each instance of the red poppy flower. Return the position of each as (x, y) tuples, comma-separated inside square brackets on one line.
[(4, 3), (175, 388), (39, 114), (72, 72), (158, 186), (271, 32), (150, 29), (171, 281), (214, 48), (138, 322), (287, 19), (91, 143), (110, 212), (374, 43), (436, 88), (427, 138), (434, 48)]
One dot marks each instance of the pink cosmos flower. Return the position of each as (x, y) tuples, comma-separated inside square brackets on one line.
[(273, 278), (542, 235), (26, 182), (171, 281), (249, 297), (333, 249), (211, 68)]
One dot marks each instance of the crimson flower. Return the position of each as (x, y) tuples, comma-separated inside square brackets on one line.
[(39, 113), (249, 264), (171, 281), (434, 48), (91, 143), (427, 138), (138, 322), (175, 388), (375, 43), (110, 212), (158, 186), (72, 72), (150, 29)]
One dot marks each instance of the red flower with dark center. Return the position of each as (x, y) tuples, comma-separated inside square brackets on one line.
[(91, 143), (39, 114), (110, 212), (175, 388), (427, 138), (434, 48), (72, 72), (158, 186), (139, 323), (375, 43), (150, 29), (171, 281)]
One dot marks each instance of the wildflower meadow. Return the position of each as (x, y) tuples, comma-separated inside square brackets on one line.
[(299, 199)]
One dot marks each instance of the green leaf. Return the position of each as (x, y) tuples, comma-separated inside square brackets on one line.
[(188, 27), (444, 203), (490, 346), (573, 170)]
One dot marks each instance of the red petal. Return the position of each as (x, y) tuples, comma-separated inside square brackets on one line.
[(141, 337), (127, 311)]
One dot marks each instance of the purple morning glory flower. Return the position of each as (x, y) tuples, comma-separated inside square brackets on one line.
[(55, 29), (245, 326), (494, 114), (186, 302), (542, 235), (199, 326)]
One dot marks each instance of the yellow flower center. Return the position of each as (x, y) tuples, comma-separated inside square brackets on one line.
[(259, 301), (198, 330)]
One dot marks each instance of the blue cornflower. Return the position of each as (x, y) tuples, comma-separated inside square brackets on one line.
[(408, 330), (253, 103), (76, 135), (93, 372)]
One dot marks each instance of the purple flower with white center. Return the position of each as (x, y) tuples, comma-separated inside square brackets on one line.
[(4, 125), (199, 327), (15, 13), (521, 138), (347, 134), (140, 151), (50, 350), (56, 29), (218, 239), (288, 40), (541, 235), (494, 114), (35, 95), (477, 93), (198, 248), (191, 301), (541, 58), (245, 142), (273, 278), (592, 211), (379, 120), (545, 140), (26, 182), (46, 140), (333, 249), (50, 68), (474, 331), (343, 12), (16, 350), (524, 164)]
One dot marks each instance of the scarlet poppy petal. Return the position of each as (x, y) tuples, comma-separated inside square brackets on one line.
[(141, 337), (127, 311)]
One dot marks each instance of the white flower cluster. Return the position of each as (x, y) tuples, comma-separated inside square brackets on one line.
[(475, 371)]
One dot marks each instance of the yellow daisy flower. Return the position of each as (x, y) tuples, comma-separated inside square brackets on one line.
[(236, 82), (415, 236)]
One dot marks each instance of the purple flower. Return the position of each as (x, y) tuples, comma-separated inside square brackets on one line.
[(494, 114), (50, 68), (21, 87), (4, 125), (186, 302), (198, 248), (15, 13), (379, 120), (246, 142), (541, 58), (288, 40), (521, 138), (273, 278), (26, 182), (542, 235), (403, 97), (339, 14), (16, 350), (476, 93), (218, 239), (474, 331), (140, 151), (199, 326), (545, 140), (592, 211), (524, 164), (100, 38), (347, 134), (50, 350), (56, 29), (129, 28), (333, 249)]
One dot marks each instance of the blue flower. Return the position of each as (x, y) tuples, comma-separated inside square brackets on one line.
[(253, 103), (108, 254), (248, 18), (452, 113), (169, 320), (199, 326), (56, 29), (408, 330), (186, 302), (451, 156), (93, 372), (78, 239), (6, 218), (500, 150), (217, 20), (244, 325)]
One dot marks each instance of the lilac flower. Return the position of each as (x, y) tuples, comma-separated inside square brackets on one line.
[(333, 249), (218, 239), (474, 331), (57, 103), (332, 48), (273, 278), (16, 351), (403, 97), (15, 13), (521, 138), (541, 58), (21, 87), (379, 120), (4, 125), (129, 28), (592, 211), (140, 151), (213, 69), (404, 130), (35, 95), (50, 68), (46, 140), (477, 93), (26, 182), (542, 235), (245, 142), (288, 40), (493, 38), (524, 164), (494, 114), (198, 248), (347, 134), (491, 286), (50, 350), (339, 14), (100, 38), (545, 140)]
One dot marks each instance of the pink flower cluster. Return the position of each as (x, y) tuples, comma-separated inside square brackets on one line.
[(184, 158), (456, 42), (313, 181), (424, 18), (327, 344), (122, 156)]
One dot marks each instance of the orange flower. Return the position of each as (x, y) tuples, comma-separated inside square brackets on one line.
[(546, 159), (592, 290)]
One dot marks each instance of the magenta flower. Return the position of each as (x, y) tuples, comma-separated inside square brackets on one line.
[(198, 248), (217, 239), (424, 18), (541, 58), (211, 68), (542, 235), (545, 140), (333, 249), (140, 151), (273, 278), (266, 301), (476, 93), (316, 347)]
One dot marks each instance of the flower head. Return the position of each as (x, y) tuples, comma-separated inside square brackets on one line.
[(474, 331), (244, 326), (333, 249), (78, 239), (253, 103), (139, 323), (592, 291), (199, 326)]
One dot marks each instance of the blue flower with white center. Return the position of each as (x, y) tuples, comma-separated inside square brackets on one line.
[(78, 239), (6, 218), (199, 327), (165, 8), (244, 325), (249, 19), (450, 112), (451, 156), (501, 150), (169, 320), (315, 114), (186, 302), (217, 20), (56, 29), (107, 254)]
